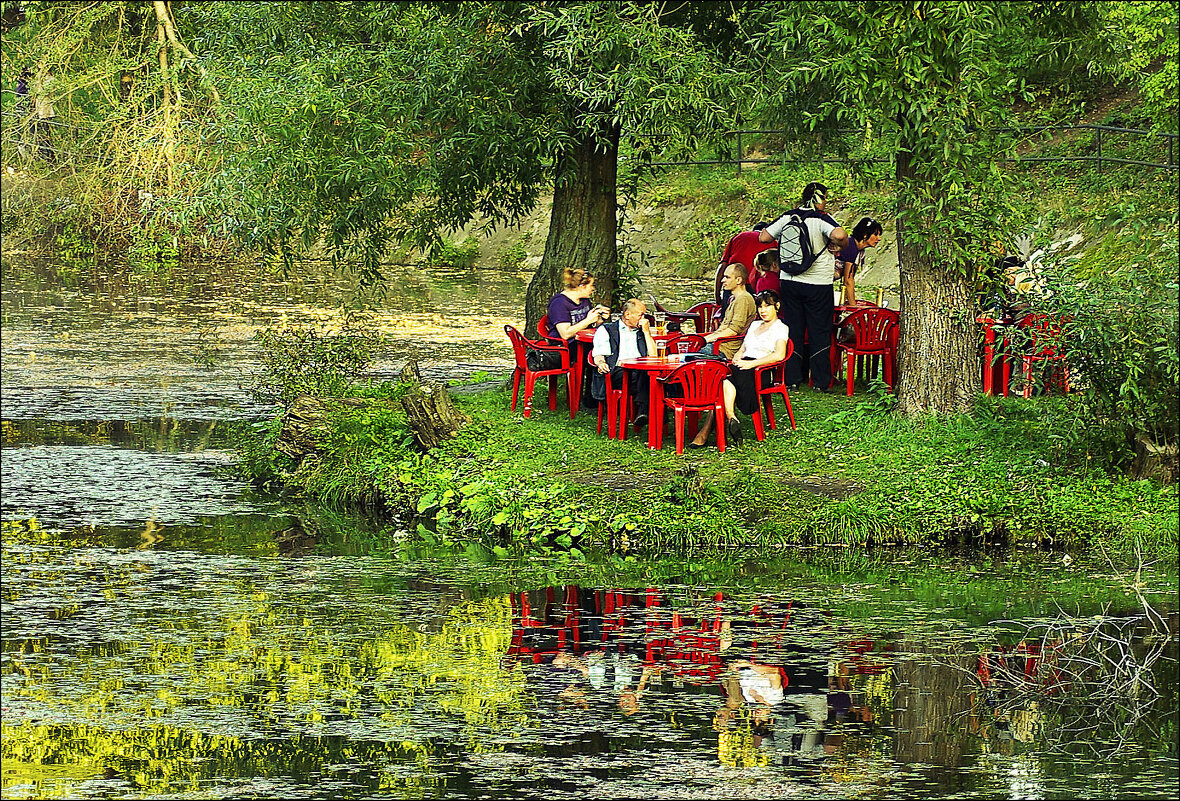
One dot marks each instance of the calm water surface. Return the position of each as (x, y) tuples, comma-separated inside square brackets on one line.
[(167, 633)]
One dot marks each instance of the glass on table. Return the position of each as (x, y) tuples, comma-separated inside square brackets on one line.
[(662, 348), (661, 323)]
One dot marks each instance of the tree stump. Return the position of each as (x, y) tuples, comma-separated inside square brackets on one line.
[(304, 426), (1160, 462), (430, 412)]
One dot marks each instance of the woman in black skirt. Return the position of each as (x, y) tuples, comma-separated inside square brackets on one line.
[(765, 343)]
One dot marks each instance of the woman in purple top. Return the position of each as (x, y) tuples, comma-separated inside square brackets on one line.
[(570, 310), (866, 234)]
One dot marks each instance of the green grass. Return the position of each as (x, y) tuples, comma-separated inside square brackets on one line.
[(849, 475)]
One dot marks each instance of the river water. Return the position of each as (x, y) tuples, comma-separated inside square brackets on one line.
[(169, 633)]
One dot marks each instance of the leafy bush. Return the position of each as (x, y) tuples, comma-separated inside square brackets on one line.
[(459, 255), (306, 361), (1121, 345)]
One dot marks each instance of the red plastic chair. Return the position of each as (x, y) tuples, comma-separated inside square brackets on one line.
[(717, 343), (778, 386), (686, 343), (616, 415), (700, 385), (1045, 337), (543, 331), (520, 347), (876, 335), (700, 315)]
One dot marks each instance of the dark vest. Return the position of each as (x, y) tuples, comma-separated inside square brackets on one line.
[(613, 332)]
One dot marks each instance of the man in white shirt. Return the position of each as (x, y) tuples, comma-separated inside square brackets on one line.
[(807, 299), (626, 338)]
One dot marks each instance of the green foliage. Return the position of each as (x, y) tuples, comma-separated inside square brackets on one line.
[(549, 485), (1141, 48), (458, 255), (1119, 303), (374, 124), (308, 361)]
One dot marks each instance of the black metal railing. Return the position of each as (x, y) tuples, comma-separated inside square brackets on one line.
[(819, 157)]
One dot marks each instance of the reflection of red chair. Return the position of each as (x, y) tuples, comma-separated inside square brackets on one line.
[(875, 331), (778, 386), (616, 415), (700, 315), (700, 391), (686, 343), (1044, 345), (520, 348)]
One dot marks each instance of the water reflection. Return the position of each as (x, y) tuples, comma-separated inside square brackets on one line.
[(171, 672)]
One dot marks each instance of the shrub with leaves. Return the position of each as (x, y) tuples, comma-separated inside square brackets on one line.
[(307, 361), (1121, 346)]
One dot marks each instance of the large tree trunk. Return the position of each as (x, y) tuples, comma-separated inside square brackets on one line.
[(939, 370), (583, 226)]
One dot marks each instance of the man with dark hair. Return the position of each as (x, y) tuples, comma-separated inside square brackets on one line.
[(743, 248), (807, 299)]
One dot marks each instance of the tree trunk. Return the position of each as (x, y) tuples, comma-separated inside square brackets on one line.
[(583, 226), (938, 368)]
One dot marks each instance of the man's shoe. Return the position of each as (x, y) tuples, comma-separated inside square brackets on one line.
[(792, 387), (640, 421), (734, 429)]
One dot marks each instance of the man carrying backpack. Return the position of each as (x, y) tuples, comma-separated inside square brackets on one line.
[(808, 239)]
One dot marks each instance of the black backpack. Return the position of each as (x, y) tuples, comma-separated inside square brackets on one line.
[(794, 243)]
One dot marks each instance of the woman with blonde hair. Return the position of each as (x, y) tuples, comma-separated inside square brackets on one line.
[(570, 310)]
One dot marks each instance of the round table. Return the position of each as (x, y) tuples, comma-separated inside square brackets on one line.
[(656, 368)]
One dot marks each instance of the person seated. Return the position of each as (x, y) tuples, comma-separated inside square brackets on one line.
[(765, 343), (570, 310), (866, 234), (629, 337), (738, 314)]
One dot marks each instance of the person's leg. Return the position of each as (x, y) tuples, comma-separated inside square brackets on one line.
[(638, 389), (729, 394), (706, 427), (791, 313), (819, 306)]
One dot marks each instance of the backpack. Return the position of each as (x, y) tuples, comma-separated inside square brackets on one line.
[(794, 243)]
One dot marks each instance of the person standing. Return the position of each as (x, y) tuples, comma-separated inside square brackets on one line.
[(807, 299), (865, 234)]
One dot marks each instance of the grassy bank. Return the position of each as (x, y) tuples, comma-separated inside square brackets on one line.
[(850, 475)]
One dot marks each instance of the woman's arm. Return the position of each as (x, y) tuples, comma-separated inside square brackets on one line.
[(570, 330), (779, 353), (849, 284)]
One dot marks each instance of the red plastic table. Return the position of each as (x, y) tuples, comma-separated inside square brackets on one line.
[(656, 368)]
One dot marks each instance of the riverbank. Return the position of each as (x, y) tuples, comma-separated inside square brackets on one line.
[(850, 475)]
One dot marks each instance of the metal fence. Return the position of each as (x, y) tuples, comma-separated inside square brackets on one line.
[(734, 143)]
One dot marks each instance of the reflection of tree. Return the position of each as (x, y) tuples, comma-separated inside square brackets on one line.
[(175, 702), (930, 702), (57, 761)]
